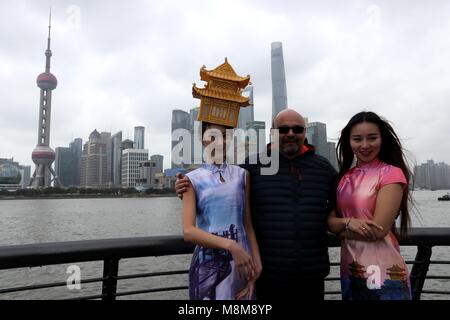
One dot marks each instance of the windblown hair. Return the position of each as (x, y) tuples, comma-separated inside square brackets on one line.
[(391, 152)]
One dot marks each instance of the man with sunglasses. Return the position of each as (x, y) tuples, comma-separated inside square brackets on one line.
[(289, 213)]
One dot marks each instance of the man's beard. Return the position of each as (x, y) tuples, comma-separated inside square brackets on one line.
[(291, 149)]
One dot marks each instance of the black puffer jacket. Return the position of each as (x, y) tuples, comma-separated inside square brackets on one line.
[(290, 211)]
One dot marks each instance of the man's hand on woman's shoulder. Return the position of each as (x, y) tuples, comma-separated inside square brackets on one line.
[(181, 185)]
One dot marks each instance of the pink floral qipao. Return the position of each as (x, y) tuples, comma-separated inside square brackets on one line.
[(370, 270)]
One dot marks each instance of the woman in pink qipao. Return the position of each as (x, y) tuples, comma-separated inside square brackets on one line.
[(370, 196)]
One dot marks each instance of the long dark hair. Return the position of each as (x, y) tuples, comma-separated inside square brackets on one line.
[(391, 152)]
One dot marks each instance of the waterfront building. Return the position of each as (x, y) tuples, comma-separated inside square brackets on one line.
[(116, 159), (180, 120), (148, 170), (127, 144), (64, 166), (279, 91), (130, 166), (68, 163), (139, 133), (167, 179), (432, 176), (260, 129), (316, 133), (332, 154), (247, 114), (95, 162), (196, 131), (76, 146), (25, 175), (10, 176)]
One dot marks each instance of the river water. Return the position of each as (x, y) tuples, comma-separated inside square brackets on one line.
[(42, 220)]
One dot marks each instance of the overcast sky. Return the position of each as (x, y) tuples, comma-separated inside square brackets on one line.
[(122, 64)]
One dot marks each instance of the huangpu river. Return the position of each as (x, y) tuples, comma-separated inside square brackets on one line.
[(52, 220)]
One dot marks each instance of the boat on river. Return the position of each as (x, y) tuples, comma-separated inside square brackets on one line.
[(445, 197)]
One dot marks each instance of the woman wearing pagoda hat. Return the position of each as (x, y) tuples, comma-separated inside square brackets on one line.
[(216, 209)]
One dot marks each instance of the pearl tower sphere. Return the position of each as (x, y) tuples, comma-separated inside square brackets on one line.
[(46, 81)]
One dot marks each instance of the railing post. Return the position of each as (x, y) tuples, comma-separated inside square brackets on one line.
[(419, 270), (110, 272)]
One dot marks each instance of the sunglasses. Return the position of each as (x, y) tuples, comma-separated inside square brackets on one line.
[(296, 129)]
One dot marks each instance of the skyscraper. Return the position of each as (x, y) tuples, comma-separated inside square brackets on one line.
[(258, 126), (64, 166), (95, 167), (196, 131), (316, 133), (247, 114), (139, 133), (279, 91), (126, 144), (43, 156), (76, 146), (332, 154), (180, 120), (116, 158), (68, 162)]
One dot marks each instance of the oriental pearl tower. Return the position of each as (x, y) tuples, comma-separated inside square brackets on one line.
[(43, 156)]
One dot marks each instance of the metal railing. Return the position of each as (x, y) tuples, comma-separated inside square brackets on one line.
[(111, 251)]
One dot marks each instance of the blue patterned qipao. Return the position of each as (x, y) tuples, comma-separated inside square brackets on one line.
[(220, 211)]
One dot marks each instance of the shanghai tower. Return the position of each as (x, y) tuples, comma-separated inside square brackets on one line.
[(43, 156), (279, 92)]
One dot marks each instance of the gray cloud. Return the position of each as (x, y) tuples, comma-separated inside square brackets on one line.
[(131, 63)]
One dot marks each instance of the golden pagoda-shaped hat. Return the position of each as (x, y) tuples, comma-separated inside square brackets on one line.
[(221, 97)]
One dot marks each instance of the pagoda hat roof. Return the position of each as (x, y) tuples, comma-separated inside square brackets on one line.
[(226, 72), (223, 95)]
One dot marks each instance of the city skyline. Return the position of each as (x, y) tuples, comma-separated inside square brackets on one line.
[(339, 59)]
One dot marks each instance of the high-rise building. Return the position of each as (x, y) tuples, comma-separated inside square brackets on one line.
[(127, 144), (68, 163), (139, 133), (13, 175), (95, 162), (196, 131), (279, 91), (180, 120), (260, 128), (316, 133), (64, 166), (25, 175), (432, 176), (247, 114), (116, 158), (159, 161), (10, 174), (130, 166), (332, 154), (193, 116), (76, 146), (148, 171), (43, 156)]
